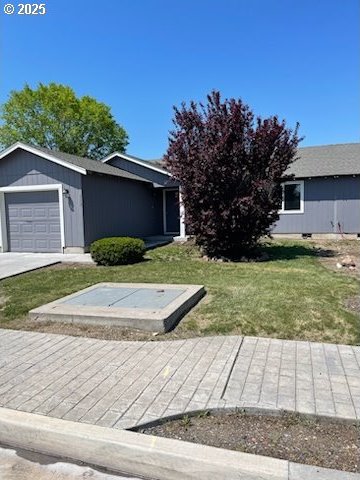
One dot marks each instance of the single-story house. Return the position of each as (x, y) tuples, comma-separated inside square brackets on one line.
[(55, 202), (324, 197)]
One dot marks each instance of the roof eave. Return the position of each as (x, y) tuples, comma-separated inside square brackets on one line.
[(129, 159), (42, 154), (325, 175)]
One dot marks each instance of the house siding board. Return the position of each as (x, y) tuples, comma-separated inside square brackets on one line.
[(144, 172), (118, 207), (327, 202), (23, 168)]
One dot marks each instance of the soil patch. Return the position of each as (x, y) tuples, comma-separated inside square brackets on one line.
[(340, 249), (68, 265), (289, 436), (100, 332), (353, 304)]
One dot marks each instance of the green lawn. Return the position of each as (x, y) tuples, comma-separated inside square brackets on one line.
[(291, 296)]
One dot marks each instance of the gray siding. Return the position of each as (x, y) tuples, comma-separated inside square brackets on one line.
[(327, 202), (22, 168), (118, 207), (144, 172)]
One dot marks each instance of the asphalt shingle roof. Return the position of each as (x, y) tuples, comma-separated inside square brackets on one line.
[(90, 165), (320, 161), (327, 160)]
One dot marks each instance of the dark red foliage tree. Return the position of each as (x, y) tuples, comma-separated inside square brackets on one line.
[(230, 165)]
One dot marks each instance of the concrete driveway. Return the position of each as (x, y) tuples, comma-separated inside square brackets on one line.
[(12, 263)]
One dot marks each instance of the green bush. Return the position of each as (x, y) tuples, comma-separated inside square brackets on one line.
[(117, 250)]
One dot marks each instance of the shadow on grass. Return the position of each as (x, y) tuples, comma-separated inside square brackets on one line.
[(291, 252), (134, 262)]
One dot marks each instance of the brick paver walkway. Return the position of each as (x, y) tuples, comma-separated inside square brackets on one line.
[(314, 378), (123, 384)]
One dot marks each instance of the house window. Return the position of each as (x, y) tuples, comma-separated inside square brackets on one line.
[(293, 197)]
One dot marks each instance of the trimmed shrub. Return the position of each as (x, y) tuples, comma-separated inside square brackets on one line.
[(117, 250)]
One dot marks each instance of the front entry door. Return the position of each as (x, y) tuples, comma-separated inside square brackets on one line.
[(172, 212)]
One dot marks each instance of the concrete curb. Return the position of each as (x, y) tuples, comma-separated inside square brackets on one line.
[(144, 455)]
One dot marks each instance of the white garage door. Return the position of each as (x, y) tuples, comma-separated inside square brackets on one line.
[(33, 221)]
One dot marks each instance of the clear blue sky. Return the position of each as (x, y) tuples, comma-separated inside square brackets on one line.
[(297, 59)]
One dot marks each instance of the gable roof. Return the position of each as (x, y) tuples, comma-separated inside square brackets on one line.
[(318, 161), (327, 161), (151, 164), (73, 162)]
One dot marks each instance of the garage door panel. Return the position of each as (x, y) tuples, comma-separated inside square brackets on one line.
[(16, 245), (41, 228), (26, 244), (33, 221), (54, 228), (41, 244), (54, 245), (24, 213), (27, 228), (14, 228), (40, 212), (53, 212)]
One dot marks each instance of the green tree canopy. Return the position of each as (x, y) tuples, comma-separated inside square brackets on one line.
[(52, 116)]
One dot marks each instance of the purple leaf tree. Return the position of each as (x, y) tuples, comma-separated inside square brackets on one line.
[(230, 166)]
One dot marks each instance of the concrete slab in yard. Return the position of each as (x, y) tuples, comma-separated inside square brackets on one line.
[(144, 306)]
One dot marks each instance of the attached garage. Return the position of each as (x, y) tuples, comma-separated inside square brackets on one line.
[(52, 201), (32, 218), (33, 221)]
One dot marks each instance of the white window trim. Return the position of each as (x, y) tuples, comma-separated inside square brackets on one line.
[(302, 205), (182, 215), (31, 188), (164, 211)]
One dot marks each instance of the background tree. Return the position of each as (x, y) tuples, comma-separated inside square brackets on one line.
[(230, 166), (52, 116)]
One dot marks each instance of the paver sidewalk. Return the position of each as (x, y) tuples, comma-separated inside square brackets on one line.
[(124, 384), (306, 377)]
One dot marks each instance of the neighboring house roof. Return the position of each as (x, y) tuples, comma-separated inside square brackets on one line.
[(152, 164), (73, 162), (327, 161)]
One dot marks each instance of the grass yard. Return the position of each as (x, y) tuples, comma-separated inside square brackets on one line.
[(292, 296)]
